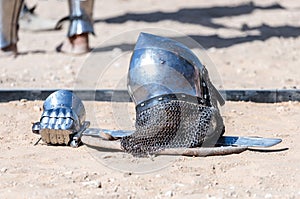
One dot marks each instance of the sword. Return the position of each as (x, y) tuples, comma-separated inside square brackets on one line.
[(239, 141)]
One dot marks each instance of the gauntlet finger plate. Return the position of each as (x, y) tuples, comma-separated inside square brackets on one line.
[(63, 119)]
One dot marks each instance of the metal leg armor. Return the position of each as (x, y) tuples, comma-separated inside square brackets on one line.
[(63, 119), (81, 16), (9, 14)]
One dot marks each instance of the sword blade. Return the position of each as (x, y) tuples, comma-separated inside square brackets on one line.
[(97, 132), (223, 141), (247, 141)]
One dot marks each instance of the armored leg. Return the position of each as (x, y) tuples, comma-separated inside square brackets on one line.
[(81, 14), (9, 14)]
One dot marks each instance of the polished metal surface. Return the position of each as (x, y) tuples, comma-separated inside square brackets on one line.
[(63, 110), (176, 104), (81, 14), (248, 141), (223, 141), (9, 15), (63, 119), (161, 66)]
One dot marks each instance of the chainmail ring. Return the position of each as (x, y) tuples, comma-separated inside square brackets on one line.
[(171, 124)]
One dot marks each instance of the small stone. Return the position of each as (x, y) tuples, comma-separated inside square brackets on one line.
[(127, 174), (260, 182), (23, 100), (70, 193), (93, 183), (107, 156), (116, 188), (3, 170), (248, 193), (233, 194), (37, 108), (169, 194), (111, 180)]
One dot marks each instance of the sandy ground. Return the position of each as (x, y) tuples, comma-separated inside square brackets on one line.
[(249, 45)]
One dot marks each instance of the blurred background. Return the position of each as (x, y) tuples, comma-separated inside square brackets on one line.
[(251, 44)]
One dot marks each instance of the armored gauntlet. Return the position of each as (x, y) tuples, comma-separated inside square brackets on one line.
[(63, 119)]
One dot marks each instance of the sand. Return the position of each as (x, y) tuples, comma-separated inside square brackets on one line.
[(248, 45)]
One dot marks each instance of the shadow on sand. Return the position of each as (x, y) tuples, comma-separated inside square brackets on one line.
[(204, 17)]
